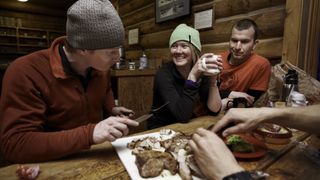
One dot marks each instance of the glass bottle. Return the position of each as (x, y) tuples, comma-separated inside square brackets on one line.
[(143, 61)]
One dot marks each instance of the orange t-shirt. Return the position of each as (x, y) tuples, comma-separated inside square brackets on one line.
[(253, 74)]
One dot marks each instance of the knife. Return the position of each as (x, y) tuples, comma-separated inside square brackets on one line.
[(143, 118), (147, 116)]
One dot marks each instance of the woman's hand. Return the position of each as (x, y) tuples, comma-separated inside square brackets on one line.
[(211, 63)]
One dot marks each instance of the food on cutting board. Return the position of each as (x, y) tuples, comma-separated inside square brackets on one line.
[(154, 154)]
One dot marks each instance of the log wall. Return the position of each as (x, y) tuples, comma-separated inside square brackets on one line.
[(269, 15), (30, 20)]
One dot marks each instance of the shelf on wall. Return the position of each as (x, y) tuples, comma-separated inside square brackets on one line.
[(7, 35), (23, 40), (32, 45), (32, 37), (8, 44)]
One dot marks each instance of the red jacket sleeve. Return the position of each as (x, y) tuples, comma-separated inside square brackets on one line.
[(22, 119)]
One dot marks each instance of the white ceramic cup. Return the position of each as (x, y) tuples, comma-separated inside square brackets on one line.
[(211, 70), (132, 65)]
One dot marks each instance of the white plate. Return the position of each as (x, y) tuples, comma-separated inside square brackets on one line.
[(128, 160)]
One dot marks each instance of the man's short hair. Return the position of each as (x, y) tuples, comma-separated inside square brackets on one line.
[(246, 24)]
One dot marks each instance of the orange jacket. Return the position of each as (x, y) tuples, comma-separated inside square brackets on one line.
[(253, 74)]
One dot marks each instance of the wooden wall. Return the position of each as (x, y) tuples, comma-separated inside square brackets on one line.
[(290, 28), (31, 20), (301, 38), (269, 15)]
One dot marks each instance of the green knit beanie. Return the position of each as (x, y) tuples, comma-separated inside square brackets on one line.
[(186, 33)]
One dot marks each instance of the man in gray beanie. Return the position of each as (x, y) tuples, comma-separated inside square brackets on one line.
[(53, 101), (94, 25)]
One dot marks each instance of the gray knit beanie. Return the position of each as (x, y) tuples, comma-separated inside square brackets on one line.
[(94, 24)]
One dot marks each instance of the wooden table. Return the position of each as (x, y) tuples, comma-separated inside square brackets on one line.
[(102, 162)]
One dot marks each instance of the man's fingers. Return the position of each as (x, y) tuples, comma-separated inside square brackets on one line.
[(123, 123), (196, 137), (193, 146), (220, 124), (129, 113), (116, 133), (131, 122), (232, 130), (123, 128), (202, 132), (111, 138), (125, 120)]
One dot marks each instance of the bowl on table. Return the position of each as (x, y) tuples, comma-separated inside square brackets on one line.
[(273, 134)]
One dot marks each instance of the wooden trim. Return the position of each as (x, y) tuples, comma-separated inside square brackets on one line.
[(136, 11), (202, 7), (311, 50), (301, 35), (291, 35), (251, 13)]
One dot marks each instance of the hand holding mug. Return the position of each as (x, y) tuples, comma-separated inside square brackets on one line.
[(238, 103), (236, 94), (211, 64)]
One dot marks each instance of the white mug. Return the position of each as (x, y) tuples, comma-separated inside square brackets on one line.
[(211, 70), (132, 65)]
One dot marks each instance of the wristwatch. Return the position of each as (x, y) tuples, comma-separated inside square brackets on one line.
[(242, 175)]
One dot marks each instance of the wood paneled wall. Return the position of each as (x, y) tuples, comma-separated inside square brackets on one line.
[(35, 20), (269, 15), (301, 38)]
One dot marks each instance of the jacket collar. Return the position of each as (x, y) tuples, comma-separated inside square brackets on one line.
[(56, 60)]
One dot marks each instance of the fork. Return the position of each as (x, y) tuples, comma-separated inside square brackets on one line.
[(157, 109)]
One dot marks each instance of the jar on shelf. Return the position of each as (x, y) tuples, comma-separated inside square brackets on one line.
[(132, 65)]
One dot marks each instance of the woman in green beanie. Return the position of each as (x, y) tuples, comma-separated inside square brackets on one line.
[(190, 88)]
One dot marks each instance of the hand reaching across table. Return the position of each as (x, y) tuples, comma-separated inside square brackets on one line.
[(246, 119)]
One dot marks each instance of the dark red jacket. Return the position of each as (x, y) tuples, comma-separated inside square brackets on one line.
[(46, 114)]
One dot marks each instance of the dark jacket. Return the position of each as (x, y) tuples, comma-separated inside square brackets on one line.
[(170, 86)]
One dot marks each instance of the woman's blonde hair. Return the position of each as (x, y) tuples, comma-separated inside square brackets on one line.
[(195, 53)]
